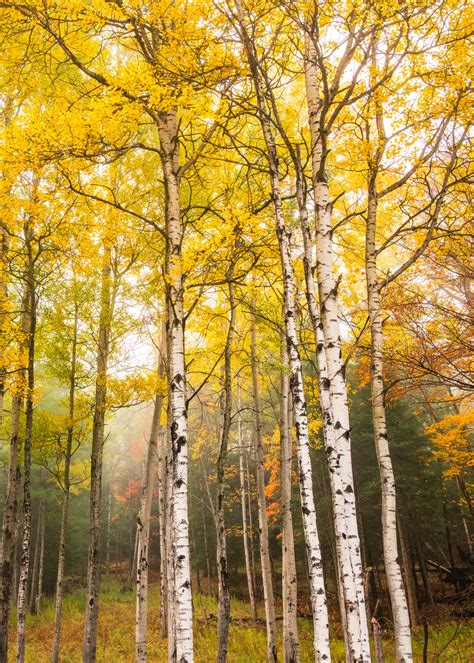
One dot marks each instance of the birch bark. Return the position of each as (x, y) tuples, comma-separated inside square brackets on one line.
[(353, 582), (291, 652), (222, 564), (66, 489), (9, 522), (25, 549), (396, 588), (344, 570)]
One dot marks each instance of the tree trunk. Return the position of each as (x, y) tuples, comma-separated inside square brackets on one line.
[(262, 507), (198, 567), (423, 570), (3, 311), (66, 488), (89, 644), (206, 549), (143, 525), (167, 122), (39, 593), (243, 502), (317, 588), (398, 599), (463, 493), (133, 560), (378, 646), (34, 575), (163, 525), (16, 547), (221, 548), (347, 590), (289, 580), (25, 550), (407, 572), (170, 534), (251, 519), (357, 625)]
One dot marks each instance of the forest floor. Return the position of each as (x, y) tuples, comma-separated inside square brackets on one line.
[(449, 642)]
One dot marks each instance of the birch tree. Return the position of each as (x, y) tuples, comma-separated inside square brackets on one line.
[(7, 586), (89, 645), (357, 627), (32, 250), (289, 580), (317, 589), (375, 288)]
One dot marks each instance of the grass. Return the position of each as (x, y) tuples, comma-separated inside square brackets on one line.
[(450, 642)]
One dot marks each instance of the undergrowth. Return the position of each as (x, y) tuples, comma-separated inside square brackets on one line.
[(448, 643)]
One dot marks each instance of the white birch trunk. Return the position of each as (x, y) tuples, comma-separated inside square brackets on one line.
[(396, 588), (16, 550), (317, 588), (178, 425), (289, 579), (170, 561), (357, 625), (132, 564), (344, 569)]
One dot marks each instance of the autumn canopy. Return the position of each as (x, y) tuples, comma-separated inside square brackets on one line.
[(236, 306)]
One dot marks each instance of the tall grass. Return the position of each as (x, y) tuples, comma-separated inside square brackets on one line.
[(450, 642)]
